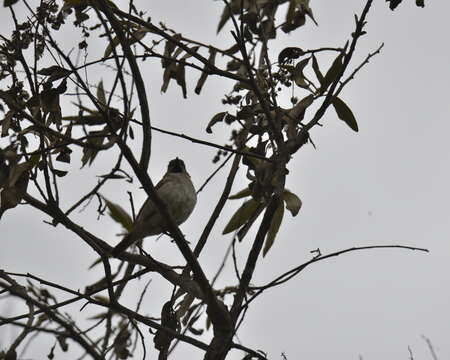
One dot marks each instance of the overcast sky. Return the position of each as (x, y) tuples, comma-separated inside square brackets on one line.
[(387, 184)]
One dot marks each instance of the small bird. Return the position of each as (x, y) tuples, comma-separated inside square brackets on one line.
[(177, 191)]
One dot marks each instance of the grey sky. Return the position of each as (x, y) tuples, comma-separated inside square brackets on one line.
[(388, 184)]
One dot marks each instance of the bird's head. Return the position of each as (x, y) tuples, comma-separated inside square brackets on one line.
[(176, 166)]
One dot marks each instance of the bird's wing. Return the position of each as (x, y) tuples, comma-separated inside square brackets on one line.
[(149, 208)]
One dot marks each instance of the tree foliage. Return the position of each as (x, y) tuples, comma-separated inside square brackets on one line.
[(38, 136)]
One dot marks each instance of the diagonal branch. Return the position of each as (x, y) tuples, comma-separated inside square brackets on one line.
[(137, 77)]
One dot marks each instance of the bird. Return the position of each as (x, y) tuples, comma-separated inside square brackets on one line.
[(177, 191)]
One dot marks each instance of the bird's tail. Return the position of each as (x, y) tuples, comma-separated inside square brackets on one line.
[(126, 242)]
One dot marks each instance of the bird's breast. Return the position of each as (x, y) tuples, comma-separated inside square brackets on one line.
[(181, 199)]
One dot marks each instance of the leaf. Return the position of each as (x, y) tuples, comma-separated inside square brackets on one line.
[(309, 11), (215, 119), (298, 111), (54, 72), (119, 215), (292, 201), (332, 73), (274, 227), (10, 196), (99, 316), (316, 69), (205, 72), (291, 11), (224, 18), (181, 79), (59, 173), (240, 217), (95, 263), (345, 113), (101, 299), (21, 168), (298, 20), (62, 341), (241, 194), (6, 123), (288, 54), (101, 97), (298, 76), (393, 3), (7, 3), (169, 73)]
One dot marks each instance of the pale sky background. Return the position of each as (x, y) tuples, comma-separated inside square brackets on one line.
[(387, 184)]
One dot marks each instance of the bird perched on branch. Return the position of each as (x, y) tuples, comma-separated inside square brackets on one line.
[(177, 191)]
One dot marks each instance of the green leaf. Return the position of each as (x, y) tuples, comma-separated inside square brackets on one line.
[(101, 97), (291, 11), (315, 66), (119, 215), (298, 76), (274, 227), (241, 194), (241, 216), (345, 113), (332, 73), (54, 72), (7, 3), (21, 168), (292, 201)]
